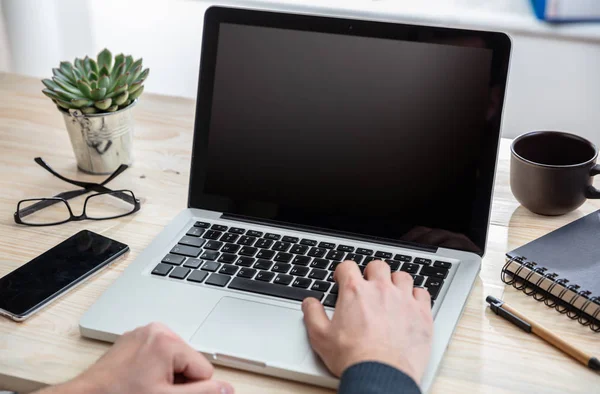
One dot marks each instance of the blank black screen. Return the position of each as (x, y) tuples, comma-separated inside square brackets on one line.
[(56, 270), (365, 135)]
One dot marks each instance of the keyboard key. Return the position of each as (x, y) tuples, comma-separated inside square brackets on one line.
[(263, 243), (254, 233), (209, 255), (442, 264), (317, 252), (287, 292), (326, 245), (173, 260), (320, 263), (383, 255), (302, 283), (272, 236), (247, 273), (213, 245), (218, 280), (283, 279), (290, 239), (212, 234), (334, 265), (355, 257), (299, 270), (330, 300), (229, 237), (162, 269), (197, 276), (245, 261), (420, 260), (434, 286), (248, 251), (362, 269), (210, 266), (281, 246), (218, 227), (368, 259), (321, 286), (281, 268), (227, 258), (179, 272), (283, 257), (330, 278), (308, 242), (263, 265), (265, 276), (229, 270), (246, 240), (316, 273), (192, 241), (345, 248), (402, 257), (410, 268), (237, 230), (394, 265), (188, 251), (265, 254), (335, 255), (195, 232), (435, 272), (202, 224), (366, 252), (193, 263), (301, 260), (230, 248), (299, 249), (335, 289), (418, 280)]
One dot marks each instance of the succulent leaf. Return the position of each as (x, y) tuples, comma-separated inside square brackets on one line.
[(116, 72), (93, 76), (50, 84), (82, 102), (136, 94), (103, 104), (84, 88), (104, 82), (66, 67), (104, 71), (117, 91), (57, 72), (105, 59), (87, 68), (94, 85), (50, 93), (128, 62), (98, 94), (143, 75), (134, 87), (94, 66), (65, 86), (78, 74), (119, 59), (134, 74), (89, 110), (120, 100), (80, 66), (112, 108)]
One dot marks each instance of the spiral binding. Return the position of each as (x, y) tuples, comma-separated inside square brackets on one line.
[(527, 286)]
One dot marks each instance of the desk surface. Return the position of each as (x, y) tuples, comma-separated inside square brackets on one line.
[(486, 355)]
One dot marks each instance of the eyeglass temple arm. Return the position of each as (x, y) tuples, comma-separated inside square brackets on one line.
[(49, 202), (87, 185)]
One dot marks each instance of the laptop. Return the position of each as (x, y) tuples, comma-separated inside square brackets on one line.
[(320, 139)]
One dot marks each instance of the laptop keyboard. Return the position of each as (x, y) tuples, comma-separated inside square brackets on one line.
[(281, 266)]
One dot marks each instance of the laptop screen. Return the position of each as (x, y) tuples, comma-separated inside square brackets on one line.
[(374, 136)]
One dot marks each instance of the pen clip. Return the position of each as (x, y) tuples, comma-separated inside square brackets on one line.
[(497, 308)]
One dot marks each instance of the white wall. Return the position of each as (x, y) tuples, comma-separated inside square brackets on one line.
[(554, 78)]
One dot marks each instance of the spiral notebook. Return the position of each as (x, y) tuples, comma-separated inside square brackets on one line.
[(562, 269)]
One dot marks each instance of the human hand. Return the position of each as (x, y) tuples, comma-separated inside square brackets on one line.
[(379, 318), (148, 360)]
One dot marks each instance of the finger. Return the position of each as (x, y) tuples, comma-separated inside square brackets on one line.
[(422, 296), (190, 363), (348, 270), (378, 270), (316, 321), (205, 387), (404, 281)]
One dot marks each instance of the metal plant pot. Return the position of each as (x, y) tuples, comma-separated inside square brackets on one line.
[(101, 142)]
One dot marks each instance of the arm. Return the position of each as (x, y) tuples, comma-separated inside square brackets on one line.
[(379, 338)]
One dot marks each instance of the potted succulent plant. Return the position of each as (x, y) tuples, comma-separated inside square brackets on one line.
[(96, 98)]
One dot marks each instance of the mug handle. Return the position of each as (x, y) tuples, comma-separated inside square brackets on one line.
[(591, 191)]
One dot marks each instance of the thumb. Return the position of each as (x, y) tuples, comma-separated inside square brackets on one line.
[(204, 387), (316, 321)]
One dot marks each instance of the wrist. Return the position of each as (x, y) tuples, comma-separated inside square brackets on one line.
[(77, 385)]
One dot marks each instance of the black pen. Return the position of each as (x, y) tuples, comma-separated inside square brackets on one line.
[(500, 308)]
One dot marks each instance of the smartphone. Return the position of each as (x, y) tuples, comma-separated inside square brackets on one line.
[(34, 285)]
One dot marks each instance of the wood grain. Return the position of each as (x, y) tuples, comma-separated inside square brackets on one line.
[(486, 355)]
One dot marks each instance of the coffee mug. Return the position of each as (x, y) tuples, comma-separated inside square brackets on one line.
[(551, 171)]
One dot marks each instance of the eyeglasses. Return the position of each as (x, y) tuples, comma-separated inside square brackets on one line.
[(102, 205)]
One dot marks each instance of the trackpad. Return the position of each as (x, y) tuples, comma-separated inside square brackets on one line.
[(250, 330)]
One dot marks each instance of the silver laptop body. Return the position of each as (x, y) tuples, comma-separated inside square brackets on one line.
[(256, 325)]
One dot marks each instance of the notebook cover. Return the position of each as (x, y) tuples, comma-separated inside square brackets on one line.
[(572, 251)]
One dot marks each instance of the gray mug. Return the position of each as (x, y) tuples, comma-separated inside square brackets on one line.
[(551, 171)]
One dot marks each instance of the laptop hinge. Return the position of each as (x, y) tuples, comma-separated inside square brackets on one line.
[(299, 227)]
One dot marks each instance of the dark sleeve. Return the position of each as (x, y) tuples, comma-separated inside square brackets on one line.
[(376, 378)]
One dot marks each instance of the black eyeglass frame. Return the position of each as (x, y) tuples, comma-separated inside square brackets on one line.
[(63, 197)]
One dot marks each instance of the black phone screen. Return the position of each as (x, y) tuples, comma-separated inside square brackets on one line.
[(56, 270)]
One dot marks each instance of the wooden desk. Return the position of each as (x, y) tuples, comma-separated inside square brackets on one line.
[(487, 354)]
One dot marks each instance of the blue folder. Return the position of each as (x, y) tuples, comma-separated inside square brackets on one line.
[(541, 11)]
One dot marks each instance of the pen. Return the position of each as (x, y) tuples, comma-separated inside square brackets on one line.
[(504, 310)]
